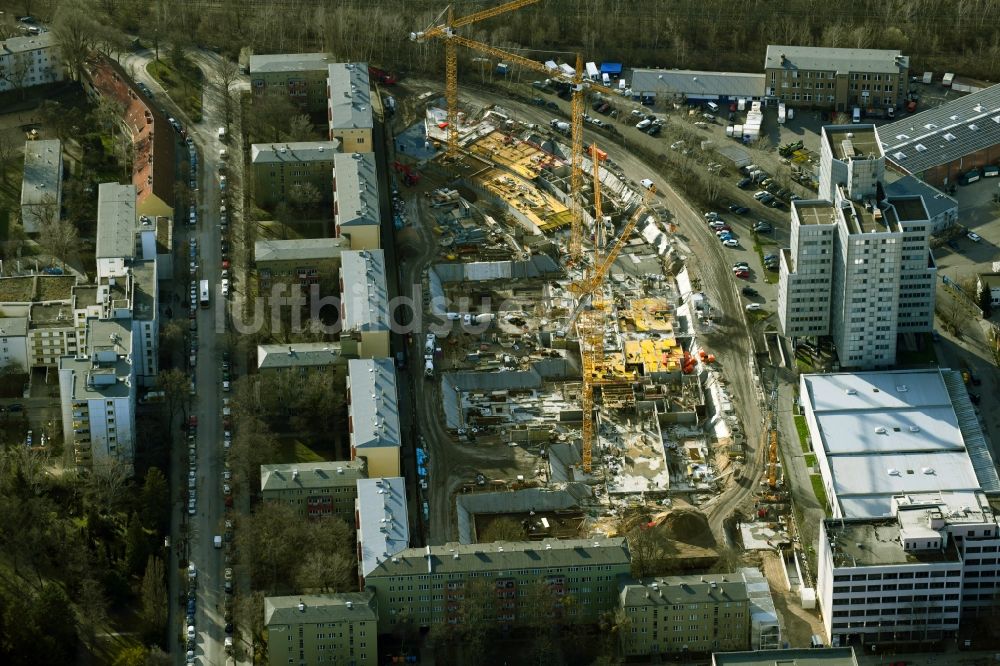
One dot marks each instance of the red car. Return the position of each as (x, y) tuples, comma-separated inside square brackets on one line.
[(225, 263), (742, 274)]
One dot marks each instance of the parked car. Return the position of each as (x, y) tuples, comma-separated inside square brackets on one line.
[(739, 210), (731, 242), (760, 194), (974, 237), (711, 215), (763, 227), (752, 307), (743, 183), (749, 291), (717, 224), (743, 275), (741, 264), (643, 124)]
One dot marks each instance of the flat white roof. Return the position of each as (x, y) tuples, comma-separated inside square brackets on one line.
[(895, 432)]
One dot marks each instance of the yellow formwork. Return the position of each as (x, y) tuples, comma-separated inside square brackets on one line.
[(662, 355), (649, 315)]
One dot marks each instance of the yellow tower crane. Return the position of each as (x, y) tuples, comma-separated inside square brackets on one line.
[(590, 331), (598, 213), (446, 31), (579, 84)]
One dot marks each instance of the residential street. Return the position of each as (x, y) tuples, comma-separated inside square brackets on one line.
[(193, 535)]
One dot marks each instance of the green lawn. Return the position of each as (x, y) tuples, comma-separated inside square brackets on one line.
[(184, 85), (803, 429), (819, 490), (295, 450), (810, 460), (758, 246)]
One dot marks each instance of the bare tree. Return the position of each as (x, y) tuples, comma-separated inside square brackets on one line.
[(503, 529), (15, 72), (59, 238), (304, 195), (225, 76), (9, 146), (175, 385), (154, 596), (75, 29)]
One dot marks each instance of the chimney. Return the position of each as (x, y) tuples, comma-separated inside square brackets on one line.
[(784, 60)]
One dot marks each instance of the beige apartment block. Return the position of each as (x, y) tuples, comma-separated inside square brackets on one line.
[(349, 106), (277, 168), (356, 212)]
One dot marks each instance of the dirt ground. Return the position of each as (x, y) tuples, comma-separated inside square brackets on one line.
[(797, 624)]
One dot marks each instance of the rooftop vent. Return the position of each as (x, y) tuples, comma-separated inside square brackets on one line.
[(302, 607), (921, 148), (914, 428), (902, 388), (973, 127), (929, 471), (949, 136), (350, 605), (880, 430), (894, 472), (851, 391)]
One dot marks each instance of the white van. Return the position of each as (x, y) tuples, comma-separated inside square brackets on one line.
[(217, 541), (647, 183), (856, 115), (605, 79), (712, 106)]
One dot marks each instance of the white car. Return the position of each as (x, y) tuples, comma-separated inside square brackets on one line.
[(753, 307), (225, 386), (190, 633), (229, 573), (974, 237), (225, 287), (711, 215), (643, 124), (192, 571), (192, 507), (760, 194), (731, 242)]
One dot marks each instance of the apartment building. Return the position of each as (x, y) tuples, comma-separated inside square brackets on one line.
[(349, 106), (508, 583), (383, 527), (364, 304), (29, 61), (322, 628), (836, 78), (301, 77), (316, 489), (356, 213), (14, 344), (97, 393), (153, 140), (41, 187), (859, 268), (277, 168), (52, 333), (300, 261), (127, 272), (299, 357), (678, 614), (373, 415)]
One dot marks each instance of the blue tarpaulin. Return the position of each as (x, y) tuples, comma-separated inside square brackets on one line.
[(611, 68)]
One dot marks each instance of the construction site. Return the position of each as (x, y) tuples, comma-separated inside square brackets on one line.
[(564, 326)]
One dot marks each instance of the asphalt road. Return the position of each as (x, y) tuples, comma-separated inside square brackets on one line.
[(207, 404)]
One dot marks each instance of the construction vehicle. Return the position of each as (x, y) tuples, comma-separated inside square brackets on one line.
[(578, 85), (410, 176), (787, 149), (382, 76)]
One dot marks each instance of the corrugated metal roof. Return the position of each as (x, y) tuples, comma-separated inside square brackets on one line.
[(316, 608), (116, 221), (936, 201), (365, 297), (697, 84), (356, 193), (945, 133), (289, 62), (350, 101), (293, 476)]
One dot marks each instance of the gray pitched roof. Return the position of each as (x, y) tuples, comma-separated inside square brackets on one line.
[(383, 526), (357, 189), (294, 152), (30, 42), (299, 355), (298, 249), (505, 556), (945, 133), (697, 84), (316, 608), (374, 408), (311, 475), (672, 590), (350, 101), (289, 62), (815, 58), (365, 297)]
